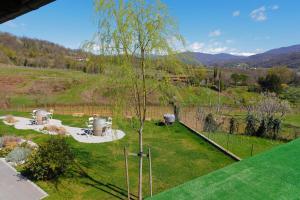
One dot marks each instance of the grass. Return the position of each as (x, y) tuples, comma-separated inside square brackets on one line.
[(271, 175), (178, 156), (242, 145), (42, 86)]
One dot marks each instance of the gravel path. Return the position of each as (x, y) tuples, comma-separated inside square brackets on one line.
[(77, 133)]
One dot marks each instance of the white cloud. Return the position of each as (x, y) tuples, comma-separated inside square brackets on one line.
[(217, 50), (259, 14), (211, 48), (196, 46), (215, 33), (236, 13), (274, 7), (237, 52), (214, 47), (242, 53)]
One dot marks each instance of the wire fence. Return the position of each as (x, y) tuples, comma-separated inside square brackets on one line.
[(239, 144)]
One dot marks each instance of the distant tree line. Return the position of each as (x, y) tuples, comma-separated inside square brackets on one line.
[(22, 51)]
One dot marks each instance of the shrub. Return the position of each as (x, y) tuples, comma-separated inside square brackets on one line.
[(233, 125), (269, 128), (10, 119), (271, 83), (276, 127), (210, 124), (262, 129), (10, 141), (50, 160), (55, 129), (250, 128), (18, 155), (4, 152)]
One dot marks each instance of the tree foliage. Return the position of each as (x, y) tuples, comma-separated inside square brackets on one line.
[(271, 83), (285, 74), (239, 79)]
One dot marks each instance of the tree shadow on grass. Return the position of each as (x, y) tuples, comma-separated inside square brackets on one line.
[(108, 188)]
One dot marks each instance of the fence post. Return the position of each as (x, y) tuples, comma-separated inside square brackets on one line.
[(127, 173), (228, 141), (150, 171), (252, 146)]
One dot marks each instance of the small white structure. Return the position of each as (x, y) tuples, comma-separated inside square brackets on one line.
[(99, 127), (169, 118)]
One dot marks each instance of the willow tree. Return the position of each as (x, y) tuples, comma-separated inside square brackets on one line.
[(137, 33)]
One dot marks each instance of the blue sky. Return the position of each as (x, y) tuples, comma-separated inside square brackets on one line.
[(241, 27)]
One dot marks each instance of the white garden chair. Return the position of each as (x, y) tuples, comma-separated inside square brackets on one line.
[(108, 124)]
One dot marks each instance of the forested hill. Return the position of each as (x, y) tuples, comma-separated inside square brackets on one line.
[(22, 51)]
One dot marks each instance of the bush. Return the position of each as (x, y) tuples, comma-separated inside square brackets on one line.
[(9, 142), (262, 129), (269, 128), (233, 126), (250, 128), (50, 160), (18, 155), (210, 124), (10, 119), (4, 152), (55, 129), (271, 83)]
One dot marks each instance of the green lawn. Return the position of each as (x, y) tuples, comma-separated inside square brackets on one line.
[(241, 145), (274, 174), (178, 156)]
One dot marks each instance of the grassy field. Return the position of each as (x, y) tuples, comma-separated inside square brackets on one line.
[(25, 86), (271, 175), (178, 156), (241, 145)]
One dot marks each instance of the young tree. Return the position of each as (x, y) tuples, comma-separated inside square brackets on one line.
[(250, 125), (285, 74), (132, 31), (270, 110), (233, 125), (235, 78), (210, 124)]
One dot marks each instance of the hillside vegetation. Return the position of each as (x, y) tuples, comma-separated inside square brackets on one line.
[(33, 86), (23, 51)]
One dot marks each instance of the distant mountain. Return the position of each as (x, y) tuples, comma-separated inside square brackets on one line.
[(284, 50), (288, 56), (209, 59)]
